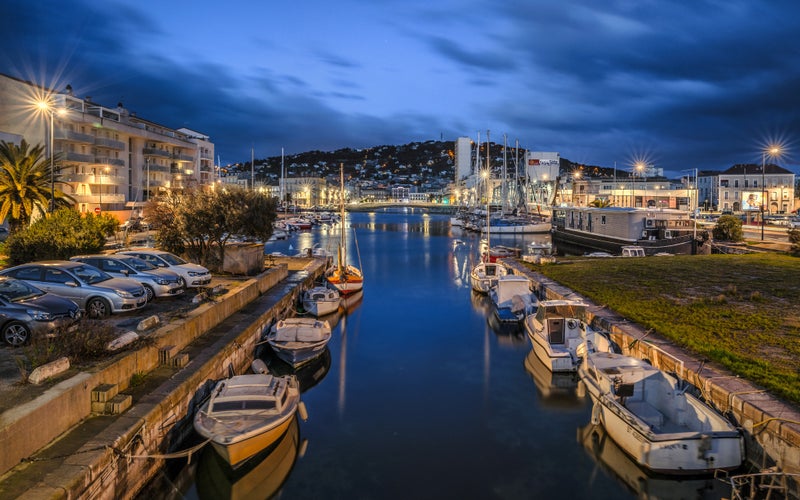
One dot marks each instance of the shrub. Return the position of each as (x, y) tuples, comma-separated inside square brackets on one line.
[(728, 228), (60, 236), (85, 344), (794, 239)]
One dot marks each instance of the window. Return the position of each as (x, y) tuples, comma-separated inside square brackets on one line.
[(28, 273), (57, 276), (736, 183), (602, 220)]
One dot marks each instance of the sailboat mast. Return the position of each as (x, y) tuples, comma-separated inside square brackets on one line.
[(342, 247), (488, 198)]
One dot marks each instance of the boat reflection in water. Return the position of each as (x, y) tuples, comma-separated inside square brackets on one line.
[(607, 455), (557, 390), (260, 477), (308, 375), (507, 333)]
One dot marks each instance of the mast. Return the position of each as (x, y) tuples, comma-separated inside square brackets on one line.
[(488, 198), (253, 169), (342, 247), (504, 175)]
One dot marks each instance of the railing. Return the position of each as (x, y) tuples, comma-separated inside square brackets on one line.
[(96, 198), (104, 160), (156, 152), (72, 156), (181, 157), (69, 135), (109, 143), (158, 168)]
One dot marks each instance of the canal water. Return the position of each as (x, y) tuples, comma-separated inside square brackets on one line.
[(420, 396)]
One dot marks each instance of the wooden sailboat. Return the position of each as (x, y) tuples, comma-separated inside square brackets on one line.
[(345, 277)]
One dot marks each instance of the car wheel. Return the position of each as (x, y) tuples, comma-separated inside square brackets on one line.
[(16, 333), (97, 308), (150, 292)]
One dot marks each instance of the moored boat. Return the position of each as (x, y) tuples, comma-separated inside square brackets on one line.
[(299, 340), (512, 297), (345, 277), (245, 414), (485, 275), (321, 300), (658, 423), (560, 335)]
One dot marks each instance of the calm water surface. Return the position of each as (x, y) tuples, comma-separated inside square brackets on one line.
[(419, 397)]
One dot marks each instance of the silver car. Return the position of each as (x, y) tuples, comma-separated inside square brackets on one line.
[(96, 292), (194, 275), (157, 282)]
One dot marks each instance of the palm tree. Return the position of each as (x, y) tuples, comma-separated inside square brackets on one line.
[(25, 184), (601, 203)]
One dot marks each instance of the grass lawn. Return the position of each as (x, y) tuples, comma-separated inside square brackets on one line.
[(742, 311)]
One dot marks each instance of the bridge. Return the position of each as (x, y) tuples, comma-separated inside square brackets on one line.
[(396, 206)]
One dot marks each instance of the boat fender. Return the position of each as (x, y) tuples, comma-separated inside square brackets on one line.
[(596, 414), (258, 366), (301, 409)]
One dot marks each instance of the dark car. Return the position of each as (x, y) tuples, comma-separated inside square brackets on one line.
[(25, 311)]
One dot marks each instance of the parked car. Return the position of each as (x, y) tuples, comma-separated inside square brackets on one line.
[(194, 275), (96, 292), (157, 282), (26, 310), (3, 233)]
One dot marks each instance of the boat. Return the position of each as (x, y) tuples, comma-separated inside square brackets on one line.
[(512, 297), (261, 477), (484, 275), (642, 483), (581, 230), (497, 252), (345, 277), (518, 225), (321, 300), (539, 253), (634, 251), (299, 340), (245, 414), (557, 331), (656, 420)]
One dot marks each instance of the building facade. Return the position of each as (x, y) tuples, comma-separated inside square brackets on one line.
[(748, 188), (109, 159)]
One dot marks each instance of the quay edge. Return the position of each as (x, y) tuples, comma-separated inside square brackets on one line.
[(116, 460), (771, 427)]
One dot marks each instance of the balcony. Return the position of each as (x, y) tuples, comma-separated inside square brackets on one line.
[(63, 134), (183, 158), (78, 157), (158, 168), (95, 198), (156, 152), (104, 160), (109, 143)]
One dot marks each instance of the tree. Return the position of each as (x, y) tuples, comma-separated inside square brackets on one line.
[(794, 239), (728, 228), (200, 223), (60, 236), (25, 184)]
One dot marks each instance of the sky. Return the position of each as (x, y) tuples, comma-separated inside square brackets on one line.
[(679, 84)]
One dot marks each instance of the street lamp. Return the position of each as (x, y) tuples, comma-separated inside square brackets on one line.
[(104, 170), (772, 151), (44, 106), (147, 165), (637, 167)]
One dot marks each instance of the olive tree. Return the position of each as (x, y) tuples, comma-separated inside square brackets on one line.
[(200, 223)]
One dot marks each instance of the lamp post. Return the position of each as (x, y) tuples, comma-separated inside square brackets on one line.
[(147, 165), (771, 151), (44, 106)]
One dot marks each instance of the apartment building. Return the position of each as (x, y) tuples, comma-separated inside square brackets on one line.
[(741, 188), (109, 159)]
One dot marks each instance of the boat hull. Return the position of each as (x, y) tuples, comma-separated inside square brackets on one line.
[(298, 356), (321, 307), (567, 241), (348, 282), (236, 453)]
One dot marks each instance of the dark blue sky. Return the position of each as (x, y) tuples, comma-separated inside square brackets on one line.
[(680, 84)]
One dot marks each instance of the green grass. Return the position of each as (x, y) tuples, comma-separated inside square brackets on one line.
[(742, 311)]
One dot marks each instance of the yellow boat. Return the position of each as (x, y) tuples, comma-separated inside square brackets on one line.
[(247, 413)]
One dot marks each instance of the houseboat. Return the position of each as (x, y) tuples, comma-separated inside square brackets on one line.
[(581, 230)]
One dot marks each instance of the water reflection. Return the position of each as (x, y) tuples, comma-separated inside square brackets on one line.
[(610, 458), (556, 390), (260, 477), (308, 374)]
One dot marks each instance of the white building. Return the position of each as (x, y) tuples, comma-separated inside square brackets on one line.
[(110, 159)]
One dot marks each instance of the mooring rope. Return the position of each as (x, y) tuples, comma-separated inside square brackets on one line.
[(178, 454)]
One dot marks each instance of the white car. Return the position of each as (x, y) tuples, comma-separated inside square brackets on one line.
[(194, 275)]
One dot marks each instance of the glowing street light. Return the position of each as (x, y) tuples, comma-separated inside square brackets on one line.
[(45, 107), (771, 151)]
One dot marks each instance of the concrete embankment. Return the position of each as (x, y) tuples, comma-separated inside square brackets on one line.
[(66, 454), (771, 427)]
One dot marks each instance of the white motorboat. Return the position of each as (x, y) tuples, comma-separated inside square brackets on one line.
[(245, 414), (557, 330), (321, 300), (539, 253), (655, 420), (512, 297), (299, 340), (484, 275)]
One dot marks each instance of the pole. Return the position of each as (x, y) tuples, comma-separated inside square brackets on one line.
[(147, 164), (252, 169), (100, 205), (763, 195), (52, 167)]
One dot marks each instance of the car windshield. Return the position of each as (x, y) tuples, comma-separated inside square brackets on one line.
[(138, 264), (16, 290), (172, 260), (90, 274)]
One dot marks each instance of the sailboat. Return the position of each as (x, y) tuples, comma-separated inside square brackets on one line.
[(485, 274), (345, 277)]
